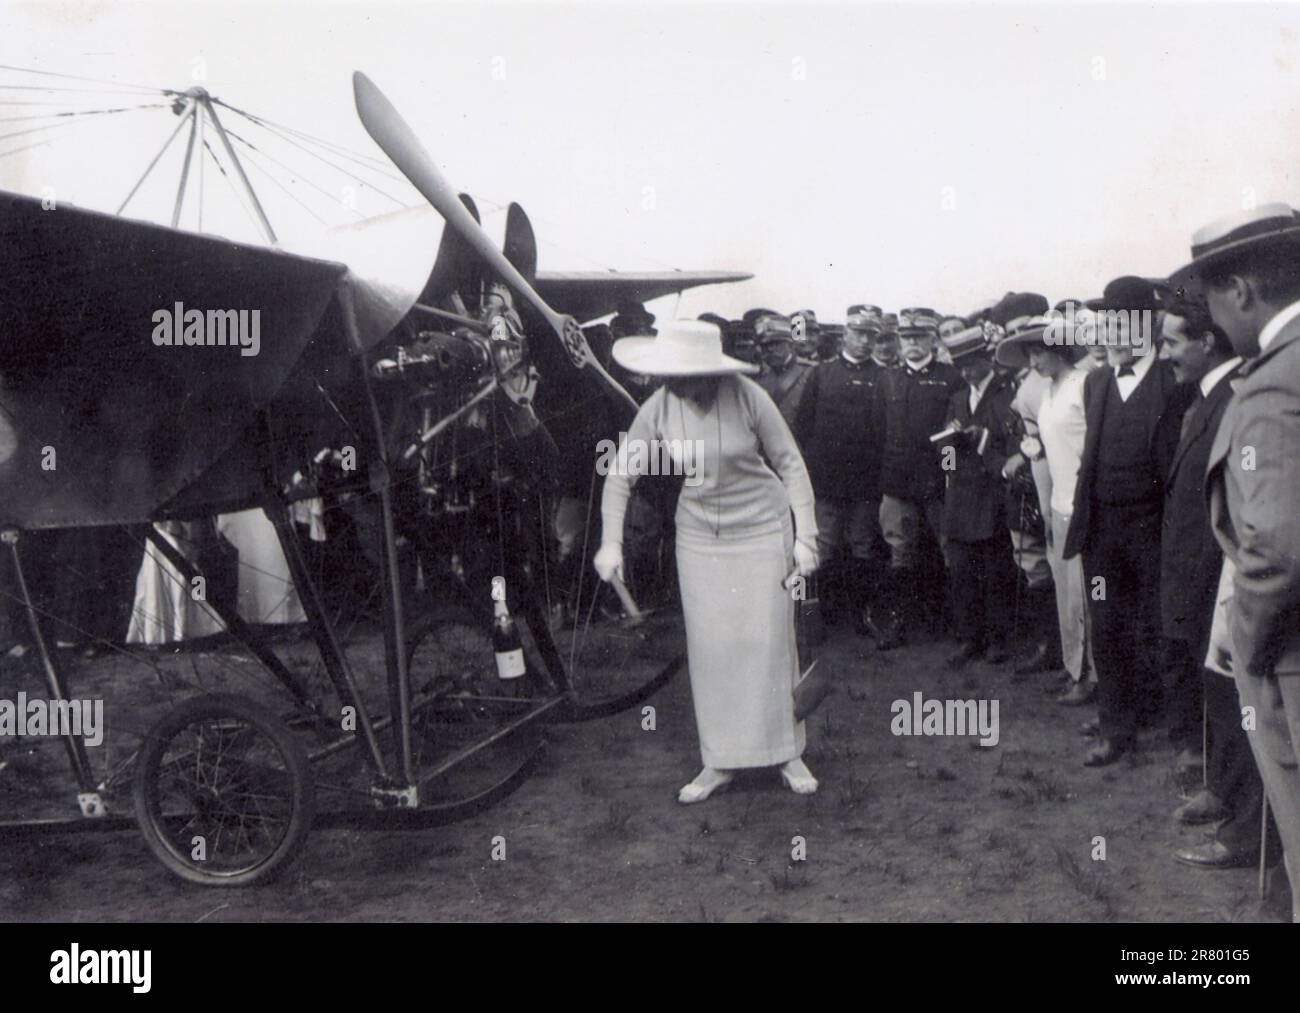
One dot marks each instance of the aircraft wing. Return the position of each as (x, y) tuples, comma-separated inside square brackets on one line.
[(587, 295), (99, 423)]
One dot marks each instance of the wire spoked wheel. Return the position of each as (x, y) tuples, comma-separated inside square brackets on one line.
[(223, 792)]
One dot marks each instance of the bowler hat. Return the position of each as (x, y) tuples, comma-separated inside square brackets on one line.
[(1128, 293)]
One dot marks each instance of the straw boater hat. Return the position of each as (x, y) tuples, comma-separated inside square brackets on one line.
[(971, 342), (1264, 225), (1013, 350), (682, 348)]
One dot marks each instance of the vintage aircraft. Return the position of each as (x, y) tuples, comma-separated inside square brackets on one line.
[(128, 396)]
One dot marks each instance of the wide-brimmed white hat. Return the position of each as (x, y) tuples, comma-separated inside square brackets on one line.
[(682, 348)]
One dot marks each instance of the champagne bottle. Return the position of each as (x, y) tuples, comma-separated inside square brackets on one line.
[(507, 646)]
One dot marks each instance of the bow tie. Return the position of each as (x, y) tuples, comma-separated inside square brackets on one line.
[(1125, 371)]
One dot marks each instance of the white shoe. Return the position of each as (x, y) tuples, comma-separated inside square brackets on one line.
[(705, 784), (798, 778)]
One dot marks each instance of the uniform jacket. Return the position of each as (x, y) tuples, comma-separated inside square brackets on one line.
[(974, 500), (1190, 557), (913, 405), (838, 430), (1253, 487), (1162, 438), (787, 387)]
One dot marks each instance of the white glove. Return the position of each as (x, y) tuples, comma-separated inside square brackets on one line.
[(805, 563), (609, 562)]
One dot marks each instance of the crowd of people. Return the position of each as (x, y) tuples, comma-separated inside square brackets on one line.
[(1111, 484), (1105, 489)]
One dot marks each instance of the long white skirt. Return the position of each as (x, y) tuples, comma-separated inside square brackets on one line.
[(266, 591), (164, 610), (740, 645)]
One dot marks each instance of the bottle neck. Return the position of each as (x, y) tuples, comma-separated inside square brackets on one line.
[(499, 609)]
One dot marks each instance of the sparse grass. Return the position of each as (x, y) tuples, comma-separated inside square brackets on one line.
[(854, 792), (615, 824), (1088, 883), (789, 879)]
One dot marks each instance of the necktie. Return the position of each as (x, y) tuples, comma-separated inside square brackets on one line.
[(1125, 371), (1191, 413)]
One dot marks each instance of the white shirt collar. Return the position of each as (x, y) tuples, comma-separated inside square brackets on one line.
[(916, 367), (1211, 379), (1141, 366), (852, 361), (1274, 327)]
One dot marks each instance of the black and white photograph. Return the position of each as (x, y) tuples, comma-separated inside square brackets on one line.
[(628, 462)]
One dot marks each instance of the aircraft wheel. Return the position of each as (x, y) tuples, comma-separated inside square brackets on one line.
[(223, 792)]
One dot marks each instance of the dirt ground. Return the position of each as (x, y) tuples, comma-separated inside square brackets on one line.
[(902, 829)]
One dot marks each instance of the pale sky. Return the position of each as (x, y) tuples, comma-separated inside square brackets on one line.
[(853, 152)]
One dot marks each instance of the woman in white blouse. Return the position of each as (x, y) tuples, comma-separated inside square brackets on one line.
[(1045, 345)]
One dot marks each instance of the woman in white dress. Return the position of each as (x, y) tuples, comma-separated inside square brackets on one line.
[(738, 553)]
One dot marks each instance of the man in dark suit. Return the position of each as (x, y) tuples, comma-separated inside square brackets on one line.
[(981, 567), (1248, 267), (1190, 562), (1134, 406)]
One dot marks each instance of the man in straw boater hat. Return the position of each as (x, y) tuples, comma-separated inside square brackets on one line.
[(740, 560), (837, 430), (1043, 344), (912, 403), (982, 433), (1191, 562), (1133, 407), (1248, 268)]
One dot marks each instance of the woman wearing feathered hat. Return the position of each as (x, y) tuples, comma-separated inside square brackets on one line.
[(737, 552)]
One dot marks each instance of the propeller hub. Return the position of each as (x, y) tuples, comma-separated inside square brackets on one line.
[(575, 342)]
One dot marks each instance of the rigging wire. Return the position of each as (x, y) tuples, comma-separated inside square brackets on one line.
[(239, 197), (80, 112), (256, 164), (379, 164), (322, 158), (58, 126), (93, 80), (293, 172)]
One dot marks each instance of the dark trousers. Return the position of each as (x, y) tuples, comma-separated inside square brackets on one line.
[(983, 575), (1183, 693), (1231, 770), (1124, 608)]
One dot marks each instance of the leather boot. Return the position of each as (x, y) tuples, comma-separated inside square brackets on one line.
[(1044, 651)]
